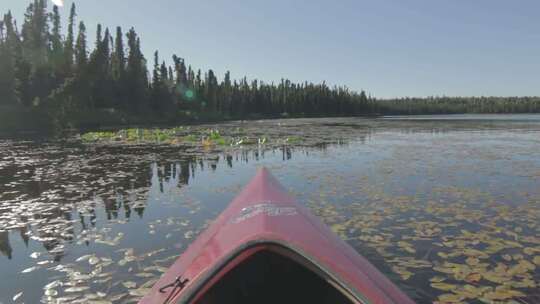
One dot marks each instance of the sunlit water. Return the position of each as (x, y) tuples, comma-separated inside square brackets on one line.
[(82, 223)]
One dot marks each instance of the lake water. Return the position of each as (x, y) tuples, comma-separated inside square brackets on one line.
[(448, 207)]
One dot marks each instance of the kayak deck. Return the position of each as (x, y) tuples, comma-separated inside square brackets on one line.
[(265, 248), (270, 277)]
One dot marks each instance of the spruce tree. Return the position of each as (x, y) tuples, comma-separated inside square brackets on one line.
[(136, 74), (57, 45), (81, 52), (226, 94), (118, 60), (35, 32), (9, 46), (191, 77), (165, 102), (211, 91), (69, 43), (118, 70), (157, 85), (155, 73)]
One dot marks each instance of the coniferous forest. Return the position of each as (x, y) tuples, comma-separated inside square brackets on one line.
[(49, 79)]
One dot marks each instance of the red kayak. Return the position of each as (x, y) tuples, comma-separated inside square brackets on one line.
[(264, 248)]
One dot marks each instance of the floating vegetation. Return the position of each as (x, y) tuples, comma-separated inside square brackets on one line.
[(17, 296), (103, 219), (465, 247), (489, 264), (200, 136)]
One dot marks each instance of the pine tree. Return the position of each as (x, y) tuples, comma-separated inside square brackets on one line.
[(191, 77), (118, 70), (171, 78), (98, 36), (196, 103), (99, 71), (161, 94), (118, 60), (165, 101), (157, 85), (57, 45), (211, 84), (226, 94), (181, 72), (164, 75), (69, 43), (35, 32), (155, 73), (106, 51), (81, 52), (80, 88), (136, 73), (1, 32), (9, 48)]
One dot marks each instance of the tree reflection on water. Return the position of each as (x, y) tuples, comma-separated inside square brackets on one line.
[(70, 205)]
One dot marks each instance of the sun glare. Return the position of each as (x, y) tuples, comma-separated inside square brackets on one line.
[(58, 2)]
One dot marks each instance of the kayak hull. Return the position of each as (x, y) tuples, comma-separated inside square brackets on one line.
[(263, 217)]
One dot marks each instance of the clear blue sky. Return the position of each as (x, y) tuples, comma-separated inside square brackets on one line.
[(387, 47)]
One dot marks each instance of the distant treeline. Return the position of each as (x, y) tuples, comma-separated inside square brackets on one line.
[(48, 77), (455, 105)]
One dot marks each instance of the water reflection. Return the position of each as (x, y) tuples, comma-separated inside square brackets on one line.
[(65, 201), (55, 183), (59, 209), (5, 247), (51, 219)]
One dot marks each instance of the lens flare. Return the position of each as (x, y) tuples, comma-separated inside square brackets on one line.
[(189, 94), (58, 2)]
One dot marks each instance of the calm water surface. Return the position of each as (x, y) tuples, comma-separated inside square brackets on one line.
[(416, 195)]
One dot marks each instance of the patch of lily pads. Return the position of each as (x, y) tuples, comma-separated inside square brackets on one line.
[(205, 138), (446, 249), (455, 244)]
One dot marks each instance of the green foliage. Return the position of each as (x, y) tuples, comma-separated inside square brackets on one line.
[(214, 135), (61, 76), (174, 135), (97, 136), (191, 138), (293, 139), (457, 105)]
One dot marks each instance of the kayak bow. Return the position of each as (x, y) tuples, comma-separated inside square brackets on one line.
[(265, 248)]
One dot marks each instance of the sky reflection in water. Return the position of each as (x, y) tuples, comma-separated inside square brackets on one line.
[(141, 206)]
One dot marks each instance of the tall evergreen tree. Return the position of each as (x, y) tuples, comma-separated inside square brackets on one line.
[(99, 39), (118, 70), (99, 71), (165, 102), (157, 85), (211, 91), (191, 77), (35, 32), (155, 72), (181, 72), (9, 46), (57, 45), (80, 86), (136, 77), (118, 60), (70, 41), (171, 78), (81, 51), (226, 94)]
